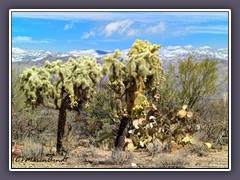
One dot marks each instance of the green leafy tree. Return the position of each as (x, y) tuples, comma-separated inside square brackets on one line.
[(61, 87), (131, 79), (17, 95), (190, 82)]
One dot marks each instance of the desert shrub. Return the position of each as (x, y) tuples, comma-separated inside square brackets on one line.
[(155, 148), (171, 163), (91, 152), (33, 124), (120, 157), (200, 149), (214, 124), (216, 131), (106, 136), (32, 148), (177, 160), (101, 121)]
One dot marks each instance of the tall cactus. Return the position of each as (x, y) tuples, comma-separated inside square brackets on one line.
[(61, 87), (140, 74)]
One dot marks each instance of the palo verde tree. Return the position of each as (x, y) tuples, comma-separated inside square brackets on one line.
[(193, 81), (131, 79), (61, 87)]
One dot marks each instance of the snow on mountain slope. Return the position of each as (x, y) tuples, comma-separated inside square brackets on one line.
[(87, 52), (169, 53), (182, 52), (29, 55)]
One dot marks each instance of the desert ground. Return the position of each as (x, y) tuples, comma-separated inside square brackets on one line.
[(85, 157)]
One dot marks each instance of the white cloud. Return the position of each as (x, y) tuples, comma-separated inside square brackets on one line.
[(159, 28), (68, 26), (22, 39), (145, 17), (117, 27), (132, 32), (27, 39), (201, 30), (88, 35)]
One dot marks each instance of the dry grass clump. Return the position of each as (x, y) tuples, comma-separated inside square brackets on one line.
[(120, 157), (174, 161), (200, 149), (32, 148)]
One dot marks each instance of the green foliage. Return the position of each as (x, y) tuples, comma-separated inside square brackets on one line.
[(100, 121), (106, 136), (77, 78), (190, 82), (17, 95)]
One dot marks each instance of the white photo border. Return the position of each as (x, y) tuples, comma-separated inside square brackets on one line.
[(119, 10)]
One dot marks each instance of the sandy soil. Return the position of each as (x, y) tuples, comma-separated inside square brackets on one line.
[(83, 157)]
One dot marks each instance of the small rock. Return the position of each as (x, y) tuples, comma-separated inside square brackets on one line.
[(134, 165)]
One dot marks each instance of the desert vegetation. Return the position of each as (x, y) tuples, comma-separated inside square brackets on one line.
[(123, 113)]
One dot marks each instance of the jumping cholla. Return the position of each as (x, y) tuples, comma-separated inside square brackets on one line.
[(131, 79), (61, 87)]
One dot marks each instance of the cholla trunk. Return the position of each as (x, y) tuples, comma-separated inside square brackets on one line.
[(61, 124), (122, 133), (126, 119), (119, 107)]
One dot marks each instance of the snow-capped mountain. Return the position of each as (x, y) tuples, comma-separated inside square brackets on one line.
[(182, 52), (88, 52), (169, 53), (35, 55), (29, 55)]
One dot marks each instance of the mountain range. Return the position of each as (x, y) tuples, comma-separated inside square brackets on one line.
[(169, 53)]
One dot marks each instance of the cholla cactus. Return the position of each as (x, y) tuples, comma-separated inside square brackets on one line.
[(61, 86), (141, 74)]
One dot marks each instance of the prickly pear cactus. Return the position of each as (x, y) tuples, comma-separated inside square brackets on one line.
[(163, 128)]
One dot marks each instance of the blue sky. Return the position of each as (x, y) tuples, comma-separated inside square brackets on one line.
[(65, 31)]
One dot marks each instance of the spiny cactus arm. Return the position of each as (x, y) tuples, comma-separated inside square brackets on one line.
[(50, 82), (48, 105), (36, 83), (80, 77), (115, 70), (145, 66)]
